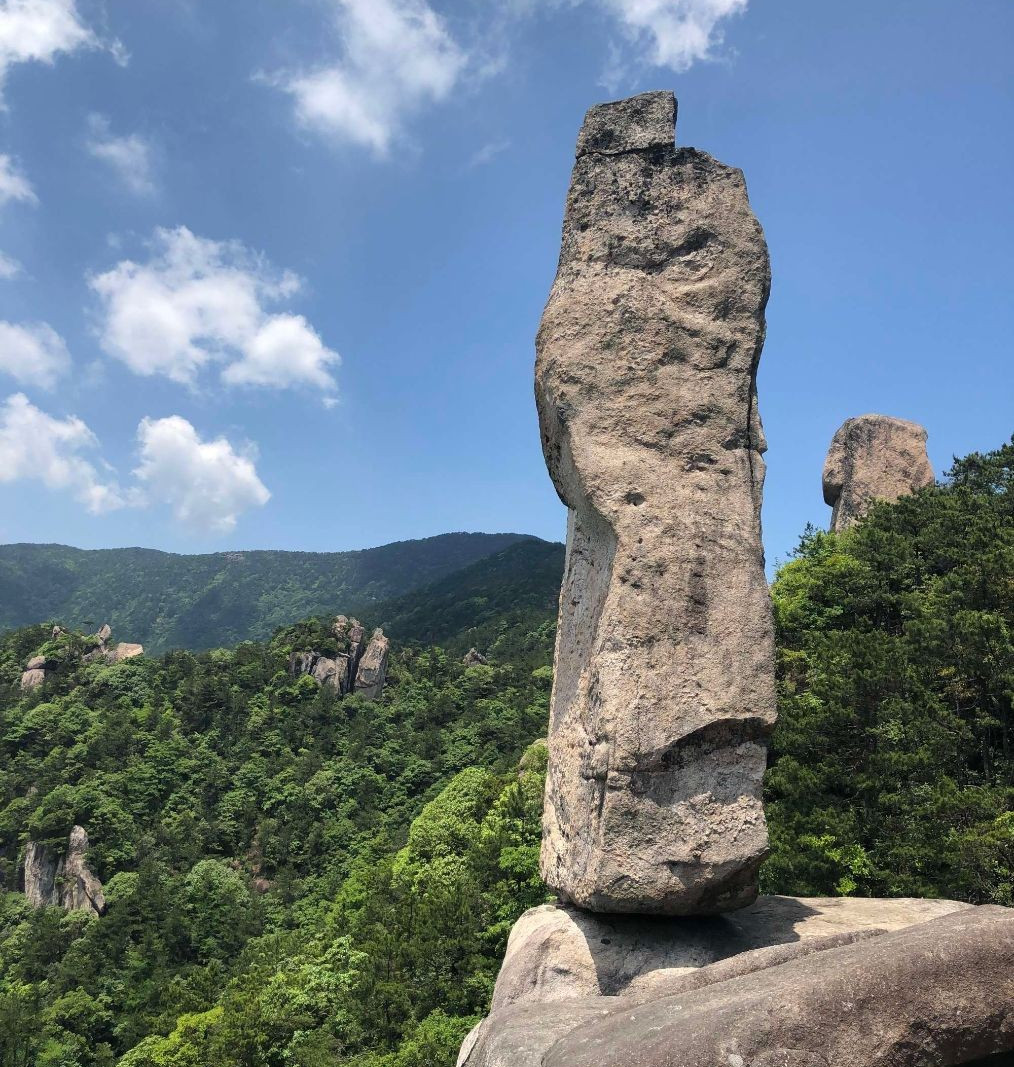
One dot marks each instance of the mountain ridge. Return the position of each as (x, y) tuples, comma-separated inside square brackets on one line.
[(173, 600)]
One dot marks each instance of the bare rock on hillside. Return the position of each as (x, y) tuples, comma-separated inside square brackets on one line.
[(372, 670), (645, 383), (873, 457), (123, 650), (65, 882), (474, 658)]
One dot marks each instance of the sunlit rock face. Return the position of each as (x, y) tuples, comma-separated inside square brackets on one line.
[(646, 391), (873, 457)]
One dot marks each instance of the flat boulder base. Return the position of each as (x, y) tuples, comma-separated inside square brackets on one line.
[(645, 377), (561, 953), (936, 994), (873, 457)]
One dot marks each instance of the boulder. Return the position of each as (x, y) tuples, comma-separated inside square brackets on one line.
[(473, 657), (66, 882), (873, 457), (32, 679), (104, 634), (940, 992), (372, 670), (302, 662), (646, 390), (123, 651), (561, 953)]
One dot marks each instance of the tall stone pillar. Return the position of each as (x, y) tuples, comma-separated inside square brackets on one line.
[(646, 391)]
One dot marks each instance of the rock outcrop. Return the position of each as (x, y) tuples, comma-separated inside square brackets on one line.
[(474, 658), (39, 667), (65, 882), (372, 670), (361, 668), (561, 953), (645, 383), (873, 457), (940, 992)]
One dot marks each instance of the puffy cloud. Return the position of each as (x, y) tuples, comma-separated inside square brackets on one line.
[(13, 184), (35, 446), (674, 33), (207, 484), (33, 353), (197, 302), (40, 30), (397, 56), (129, 156)]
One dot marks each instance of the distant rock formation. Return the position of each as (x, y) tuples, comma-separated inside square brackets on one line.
[(372, 670), (646, 391), (66, 882), (39, 667), (474, 658), (873, 457), (362, 669)]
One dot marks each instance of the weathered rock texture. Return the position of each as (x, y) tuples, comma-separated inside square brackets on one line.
[(940, 992), (65, 882), (561, 953), (645, 383), (361, 668), (873, 457), (372, 670)]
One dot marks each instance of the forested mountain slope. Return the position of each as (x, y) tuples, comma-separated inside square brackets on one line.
[(296, 880), (513, 591), (164, 601)]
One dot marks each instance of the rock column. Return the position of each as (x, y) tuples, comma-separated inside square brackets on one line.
[(646, 391), (873, 457)]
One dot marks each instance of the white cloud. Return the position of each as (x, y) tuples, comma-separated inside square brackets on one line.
[(488, 152), (197, 302), (9, 267), (40, 30), (13, 184), (397, 56), (207, 484), (35, 446), (33, 354), (674, 33), (129, 157)]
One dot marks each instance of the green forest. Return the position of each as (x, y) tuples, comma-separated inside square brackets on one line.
[(299, 880), (165, 601)]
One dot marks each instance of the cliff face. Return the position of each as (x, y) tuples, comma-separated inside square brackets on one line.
[(359, 667), (65, 882)]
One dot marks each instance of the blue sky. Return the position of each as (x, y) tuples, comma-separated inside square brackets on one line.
[(272, 270)]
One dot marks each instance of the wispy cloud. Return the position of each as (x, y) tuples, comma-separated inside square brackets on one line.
[(206, 484), (33, 354), (673, 33), (130, 156), (13, 184), (38, 31), (9, 267), (394, 58), (35, 446), (197, 302), (488, 152)]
